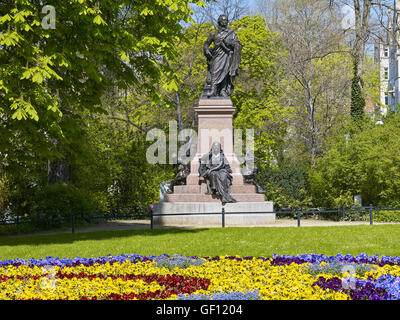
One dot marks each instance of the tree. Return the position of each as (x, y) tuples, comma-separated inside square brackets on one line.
[(233, 9), (316, 81), (366, 163), (115, 170), (257, 96), (51, 79), (103, 43), (4, 193), (362, 12)]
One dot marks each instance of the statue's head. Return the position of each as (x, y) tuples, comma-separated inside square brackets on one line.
[(216, 148), (223, 21)]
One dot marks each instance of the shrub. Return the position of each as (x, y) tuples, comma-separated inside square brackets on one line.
[(386, 216), (62, 200), (286, 185), (367, 163)]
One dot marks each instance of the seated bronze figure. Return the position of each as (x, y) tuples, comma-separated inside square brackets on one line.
[(216, 171)]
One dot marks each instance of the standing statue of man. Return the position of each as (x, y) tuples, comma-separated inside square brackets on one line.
[(223, 60)]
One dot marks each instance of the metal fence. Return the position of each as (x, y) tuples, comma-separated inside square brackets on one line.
[(49, 220), (344, 212)]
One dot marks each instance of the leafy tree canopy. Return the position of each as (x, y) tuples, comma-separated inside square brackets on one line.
[(364, 162), (49, 74)]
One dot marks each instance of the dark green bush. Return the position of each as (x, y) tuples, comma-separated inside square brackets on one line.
[(286, 185), (61, 200)]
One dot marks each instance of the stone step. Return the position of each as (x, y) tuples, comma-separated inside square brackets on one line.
[(197, 197), (247, 188)]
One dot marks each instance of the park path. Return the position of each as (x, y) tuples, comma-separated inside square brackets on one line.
[(120, 225)]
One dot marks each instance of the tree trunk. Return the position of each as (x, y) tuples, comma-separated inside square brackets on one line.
[(59, 171), (362, 16)]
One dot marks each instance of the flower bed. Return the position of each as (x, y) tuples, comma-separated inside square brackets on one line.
[(128, 277)]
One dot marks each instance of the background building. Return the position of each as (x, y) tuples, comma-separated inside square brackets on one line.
[(387, 54)]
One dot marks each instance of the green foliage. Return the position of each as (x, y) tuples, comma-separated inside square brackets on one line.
[(319, 95), (4, 193), (190, 64), (386, 216), (47, 75), (139, 181), (115, 168), (256, 96), (62, 200), (371, 80), (367, 162), (286, 185), (51, 79)]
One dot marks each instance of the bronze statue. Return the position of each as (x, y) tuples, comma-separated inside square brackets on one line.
[(183, 170), (223, 60), (216, 171), (250, 170)]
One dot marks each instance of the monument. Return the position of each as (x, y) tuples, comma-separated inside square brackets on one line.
[(216, 178)]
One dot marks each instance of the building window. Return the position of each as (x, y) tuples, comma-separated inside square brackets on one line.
[(386, 73), (386, 99), (386, 52)]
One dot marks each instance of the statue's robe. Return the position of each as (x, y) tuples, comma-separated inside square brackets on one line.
[(220, 178)]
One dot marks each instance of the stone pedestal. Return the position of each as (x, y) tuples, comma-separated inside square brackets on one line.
[(213, 218), (214, 124)]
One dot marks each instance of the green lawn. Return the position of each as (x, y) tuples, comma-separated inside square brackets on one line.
[(377, 239)]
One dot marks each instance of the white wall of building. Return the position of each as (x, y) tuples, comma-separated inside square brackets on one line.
[(387, 55)]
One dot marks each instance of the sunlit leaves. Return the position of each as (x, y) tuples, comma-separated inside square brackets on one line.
[(49, 77), (10, 39), (23, 110), (5, 18), (99, 20)]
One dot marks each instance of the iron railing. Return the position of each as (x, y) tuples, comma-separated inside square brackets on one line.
[(297, 213), (48, 220), (74, 219)]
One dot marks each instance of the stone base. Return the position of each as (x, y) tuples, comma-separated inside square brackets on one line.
[(244, 219)]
